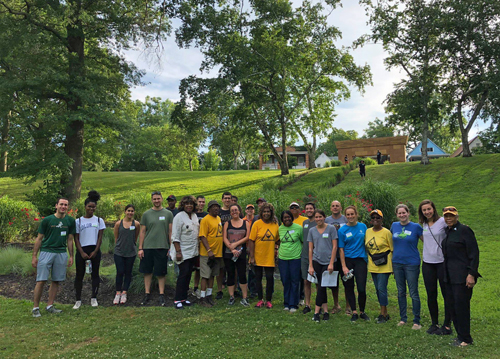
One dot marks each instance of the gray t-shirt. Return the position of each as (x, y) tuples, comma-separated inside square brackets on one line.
[(337, 223), (432, 252), (323, 246), (306, 226)]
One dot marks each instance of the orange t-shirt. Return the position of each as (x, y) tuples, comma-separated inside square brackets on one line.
[(264, 236)]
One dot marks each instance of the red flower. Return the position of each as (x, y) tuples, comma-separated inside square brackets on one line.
[(26, 209), (27, 214), (43, 217), (13, 218), (10, 223), (36, 219), (119, 203), (22, 209), (309, 196)]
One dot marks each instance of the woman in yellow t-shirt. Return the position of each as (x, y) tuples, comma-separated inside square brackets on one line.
[(378, 243), (263, 243)]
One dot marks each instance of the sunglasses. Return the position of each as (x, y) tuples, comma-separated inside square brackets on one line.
[(294, 207), (449, 209), (376, 217)]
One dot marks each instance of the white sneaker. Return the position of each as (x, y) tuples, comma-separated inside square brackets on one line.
[(78, 304), (123, 298), (293, 310), (302, 303), (116, 301), (197, 293), (93, 302)]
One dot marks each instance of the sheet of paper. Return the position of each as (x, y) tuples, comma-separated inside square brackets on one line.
[(329, 280)]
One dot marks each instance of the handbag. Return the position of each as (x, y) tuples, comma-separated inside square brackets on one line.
[(379, 259)]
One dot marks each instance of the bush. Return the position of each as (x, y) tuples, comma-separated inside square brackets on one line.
[(44, 197), (108, 241), (339, 176), (141, 202), (279, 182), (328, 164), (279, 200), (15, 261), (20, 220), (336, 163), (368, 161), (107, 209)]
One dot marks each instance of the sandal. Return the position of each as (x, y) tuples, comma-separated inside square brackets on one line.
[(336, 310), (348, 311)]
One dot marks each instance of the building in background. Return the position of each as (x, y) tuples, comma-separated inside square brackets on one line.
[(433, 151), (393, 149), (299, 152)]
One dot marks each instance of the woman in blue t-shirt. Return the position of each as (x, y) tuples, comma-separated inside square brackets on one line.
[(353, 257), (406, 263)]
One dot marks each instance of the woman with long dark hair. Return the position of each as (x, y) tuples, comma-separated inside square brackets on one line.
[(434, 231), (88, 239), (126, 233)]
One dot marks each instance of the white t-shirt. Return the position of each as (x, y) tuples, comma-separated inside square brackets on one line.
[(88, 229), (185, 230), (433, 239)]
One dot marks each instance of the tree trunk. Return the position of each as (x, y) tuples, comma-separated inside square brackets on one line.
[(3, 144), (284, 158), (190, 164), (425, 133), (312, 157), (465, 143), (235, 162), (71, 183)]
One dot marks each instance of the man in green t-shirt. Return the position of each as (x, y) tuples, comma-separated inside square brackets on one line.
[(154, 243), (55, 235)]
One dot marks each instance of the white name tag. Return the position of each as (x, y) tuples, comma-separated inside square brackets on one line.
[(63, 233), (132, 228), (162, 218), (342, 224), (325, 235), (94, 225), (306, 225), (348, 234), (407, 232), (292, 231)]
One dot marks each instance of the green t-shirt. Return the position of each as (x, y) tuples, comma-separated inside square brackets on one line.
[(157, 223), (55, 233), (290, 242)]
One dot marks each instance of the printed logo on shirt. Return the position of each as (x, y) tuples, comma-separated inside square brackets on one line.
[(288, 237), (219, 230), (60, 225), (372, 244), (401, 235), (268, 237)]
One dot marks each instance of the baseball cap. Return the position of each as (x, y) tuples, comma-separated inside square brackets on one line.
[(250, 206), (294, 204), (377, 211), (260, 200), (171, 197), (450, 209), (212, 203)]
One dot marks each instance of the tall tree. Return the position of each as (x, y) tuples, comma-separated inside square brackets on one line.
[(84, 38), (378, 128), (275, 59), (408, 30)]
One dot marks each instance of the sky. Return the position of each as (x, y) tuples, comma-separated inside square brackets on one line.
[(163, 77)]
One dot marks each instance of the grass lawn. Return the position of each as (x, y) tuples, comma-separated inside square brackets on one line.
[(318, 178), (471, 184), (118, 184)]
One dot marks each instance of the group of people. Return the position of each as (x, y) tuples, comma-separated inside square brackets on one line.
[(223, 244)]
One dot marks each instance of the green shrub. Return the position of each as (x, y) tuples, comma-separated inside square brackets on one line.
[(368, 161), (336, 163), (108, 241), (20, 220), (141, 202), (15, 261), (44, 197), (346, 169), (328, 164), (107, 209), (278, 199), (339, 176)]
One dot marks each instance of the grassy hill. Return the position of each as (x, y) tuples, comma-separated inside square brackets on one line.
[(471, 184)]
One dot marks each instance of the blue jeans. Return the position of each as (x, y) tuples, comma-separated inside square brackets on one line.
[(380, 280), (290, 277), (403, 274)]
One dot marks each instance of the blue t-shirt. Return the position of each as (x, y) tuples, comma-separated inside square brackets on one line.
[(405, 239), (352, 239)]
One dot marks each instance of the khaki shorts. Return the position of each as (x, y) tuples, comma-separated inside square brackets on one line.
[(205, 270)]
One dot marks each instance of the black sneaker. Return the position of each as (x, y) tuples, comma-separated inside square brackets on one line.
[(354, 318), (316, 318), (253, 295), (364, 316), (306, 309), (381, 319), (231, 301), (161, 300), (433, 329), (219, 295), (326, 316), (146, 299), (443, 331)]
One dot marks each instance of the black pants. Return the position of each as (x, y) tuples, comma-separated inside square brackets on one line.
[(232, 267), (184, 278), (458, 297), (321, 296), (434, 273), (124, 266), (360, 272), (80, 271), (269, 282)]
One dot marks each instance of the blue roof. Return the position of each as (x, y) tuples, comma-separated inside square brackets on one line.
[(436, 150)]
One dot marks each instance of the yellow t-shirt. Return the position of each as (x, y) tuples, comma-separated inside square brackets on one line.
[(300, 220), (211, 229), (265, 236), (379, 242)]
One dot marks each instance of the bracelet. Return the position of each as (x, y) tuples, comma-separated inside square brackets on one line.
[(141, 249), (209, 250)]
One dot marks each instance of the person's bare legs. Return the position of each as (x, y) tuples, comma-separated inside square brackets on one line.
[(383, 310), (196, 278), (244, 290), (38, 293), (307, 293), (203, 286), (147, 282), (230, 289), (161, 284), (54, 286)]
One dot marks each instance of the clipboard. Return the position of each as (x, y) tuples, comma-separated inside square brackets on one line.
[(330, 280)]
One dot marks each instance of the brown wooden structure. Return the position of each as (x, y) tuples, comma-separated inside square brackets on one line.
[(392, 148)]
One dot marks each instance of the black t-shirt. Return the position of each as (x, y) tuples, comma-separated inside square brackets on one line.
[(201, 215), (361, 167), (224, 215)]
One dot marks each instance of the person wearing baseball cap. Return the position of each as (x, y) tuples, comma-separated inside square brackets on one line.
[(210, 252), (297, 218), (260, 201), (461, 259), (172, 200), (378, 244)]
